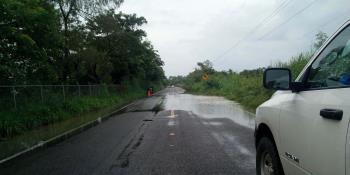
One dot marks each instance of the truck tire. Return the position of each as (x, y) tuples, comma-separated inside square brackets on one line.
[(267, 159)]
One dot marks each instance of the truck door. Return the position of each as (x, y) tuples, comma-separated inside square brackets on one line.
[(314, 122), (348, 153)]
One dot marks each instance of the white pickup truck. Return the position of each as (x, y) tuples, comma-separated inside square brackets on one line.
[(304, 127)]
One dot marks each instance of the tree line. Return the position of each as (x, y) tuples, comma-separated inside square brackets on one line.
[(75, 42)]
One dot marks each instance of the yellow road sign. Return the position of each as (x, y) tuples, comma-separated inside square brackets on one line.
[(205, 77)]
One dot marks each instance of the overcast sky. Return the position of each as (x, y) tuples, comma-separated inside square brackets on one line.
[(188, 31)]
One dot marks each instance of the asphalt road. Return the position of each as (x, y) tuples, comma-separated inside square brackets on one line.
[(176, 140)]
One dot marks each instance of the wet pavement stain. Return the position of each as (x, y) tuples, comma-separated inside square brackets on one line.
[(210, 107)]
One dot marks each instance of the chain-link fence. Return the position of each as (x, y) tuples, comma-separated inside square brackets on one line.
[(17, 97)]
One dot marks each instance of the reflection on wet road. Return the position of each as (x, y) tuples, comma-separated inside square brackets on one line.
[(209, 107), (191, 135)]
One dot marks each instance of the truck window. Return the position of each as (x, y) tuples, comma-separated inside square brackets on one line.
[(332, 67)]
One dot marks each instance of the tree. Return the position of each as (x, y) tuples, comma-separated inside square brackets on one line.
[(108, 47), (118, 35), (29, 42), (71, 9), (321, 37), (95, 67), (206, 66), (176, 80)]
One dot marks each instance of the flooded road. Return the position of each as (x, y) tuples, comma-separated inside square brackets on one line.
[(209, 107), (190, 135), (227, 121)]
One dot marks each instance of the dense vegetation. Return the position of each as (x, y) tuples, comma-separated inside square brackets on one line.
[(244, 87), (74, 42), (55, 108), (55, 42)]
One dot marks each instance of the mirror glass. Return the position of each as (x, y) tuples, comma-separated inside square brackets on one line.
[(277, 79)]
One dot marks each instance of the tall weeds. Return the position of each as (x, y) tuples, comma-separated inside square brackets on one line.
[(244, 87), (36, 114)]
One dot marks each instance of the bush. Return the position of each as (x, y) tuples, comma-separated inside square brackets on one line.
[(244, 87)]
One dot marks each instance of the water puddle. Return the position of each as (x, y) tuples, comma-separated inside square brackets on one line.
[(210, 107)]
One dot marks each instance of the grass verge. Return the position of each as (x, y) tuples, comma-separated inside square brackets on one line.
[(27, 127)]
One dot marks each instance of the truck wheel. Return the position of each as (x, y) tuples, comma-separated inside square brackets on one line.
[(267, 160)]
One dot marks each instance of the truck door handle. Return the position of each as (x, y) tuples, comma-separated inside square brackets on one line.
[(332, 114)]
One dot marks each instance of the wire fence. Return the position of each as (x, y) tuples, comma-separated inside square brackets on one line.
[(17, 97)]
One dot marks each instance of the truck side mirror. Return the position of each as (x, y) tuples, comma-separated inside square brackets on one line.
[(277, 79)]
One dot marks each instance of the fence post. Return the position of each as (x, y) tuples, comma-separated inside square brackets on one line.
[(90, 90), (79, 90), (97, 90), (64, 93), (14, 96), (41, 94)]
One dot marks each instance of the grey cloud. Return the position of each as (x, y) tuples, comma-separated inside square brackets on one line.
[(188, 31)]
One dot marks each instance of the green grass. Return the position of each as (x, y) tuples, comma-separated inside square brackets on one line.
[(19, 142), (36, 114), (34, 122), (244, 87)]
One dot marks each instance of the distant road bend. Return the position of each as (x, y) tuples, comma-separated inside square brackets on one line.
[(191, 135)]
